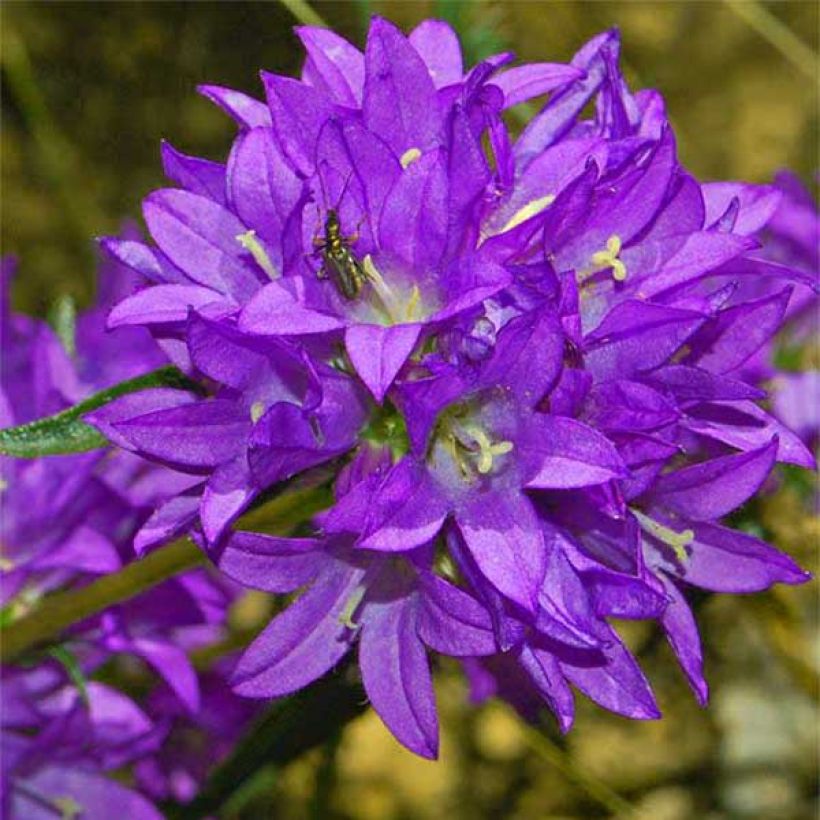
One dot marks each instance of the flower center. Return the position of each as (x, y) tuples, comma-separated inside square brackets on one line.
[(469, 446), (395, 307)]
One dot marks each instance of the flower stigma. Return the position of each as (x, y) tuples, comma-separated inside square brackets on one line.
[(608, 258)]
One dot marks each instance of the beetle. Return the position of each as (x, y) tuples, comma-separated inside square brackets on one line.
[(339, 263)]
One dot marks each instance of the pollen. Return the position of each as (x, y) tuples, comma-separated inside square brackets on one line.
[(677, 540), (409, 157), (254, 247), (608, 258)]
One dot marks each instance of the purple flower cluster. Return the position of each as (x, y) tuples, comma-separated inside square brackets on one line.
[(526, 357), (66, 521)]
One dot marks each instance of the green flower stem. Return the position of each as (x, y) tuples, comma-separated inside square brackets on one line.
[(291, 727), (304, 13), (57, 612)]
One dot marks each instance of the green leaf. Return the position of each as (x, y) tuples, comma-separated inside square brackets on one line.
[(66, 432)]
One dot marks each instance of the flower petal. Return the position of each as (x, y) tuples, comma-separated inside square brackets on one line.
[(396, 675), (378, 353), (302, 643)]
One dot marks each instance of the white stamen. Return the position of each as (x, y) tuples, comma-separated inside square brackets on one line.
[(352, 604), (528, 211), (254, 247)]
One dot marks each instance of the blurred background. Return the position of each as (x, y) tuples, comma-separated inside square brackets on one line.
[(88, 91)]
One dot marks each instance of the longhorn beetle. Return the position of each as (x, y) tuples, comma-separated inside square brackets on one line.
[(338, 262)]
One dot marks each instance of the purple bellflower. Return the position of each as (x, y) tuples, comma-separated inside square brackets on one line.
[(529, 357)]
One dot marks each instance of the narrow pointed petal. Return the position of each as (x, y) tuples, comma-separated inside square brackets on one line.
[(199, 176), (746, 426), (725, 560), (714, 488), (167, 521), (407, 511), (400, 103), (302, 643), (278, 310), (439, 47), (173, 666), (614, 681), (199, 236), (532, 80), (452, 622), (546, 675), (298, 114), (203, 434), (333, 65), (678, 623), (262, 187), (277, 565), (637, 336), (503, 536), (396, 676), (378, 353), (161, 304), (757, 204), (562, 453), (229, 490), (248, 112), (739, 332)]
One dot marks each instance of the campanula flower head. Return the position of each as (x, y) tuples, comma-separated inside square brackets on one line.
[(522, 357)]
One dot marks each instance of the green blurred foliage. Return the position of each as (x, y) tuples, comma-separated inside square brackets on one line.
[(89, 89)]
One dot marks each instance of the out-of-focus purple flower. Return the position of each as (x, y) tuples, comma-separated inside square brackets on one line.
[(59, 743), (66, 521), (529, 357)]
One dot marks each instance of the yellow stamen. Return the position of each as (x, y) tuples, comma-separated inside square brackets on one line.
[(528, 211), (251, 244), (677, 540), (409, 157), (257, 411)]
